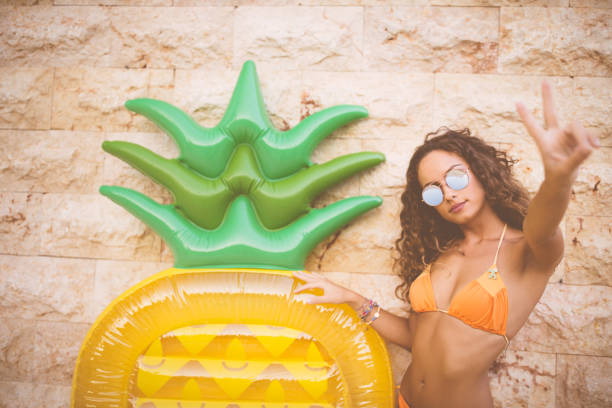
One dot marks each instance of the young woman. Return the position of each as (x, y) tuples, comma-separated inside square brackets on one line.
[(475, 256)]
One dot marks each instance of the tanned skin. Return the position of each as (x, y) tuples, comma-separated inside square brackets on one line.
[(450, 360)]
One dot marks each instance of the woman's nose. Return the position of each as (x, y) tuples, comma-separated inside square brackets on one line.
[(448, 192)]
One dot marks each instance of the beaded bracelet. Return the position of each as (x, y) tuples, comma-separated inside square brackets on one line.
[(366, 309), (376, 314)]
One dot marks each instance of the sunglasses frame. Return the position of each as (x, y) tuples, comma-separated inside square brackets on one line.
[(437, 185)]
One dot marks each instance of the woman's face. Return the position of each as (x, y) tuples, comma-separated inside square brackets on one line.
[(457, 206)]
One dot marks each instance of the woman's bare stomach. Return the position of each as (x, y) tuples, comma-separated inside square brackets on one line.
[(450, 362)]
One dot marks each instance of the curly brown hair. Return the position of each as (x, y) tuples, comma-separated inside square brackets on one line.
[(425, 234)]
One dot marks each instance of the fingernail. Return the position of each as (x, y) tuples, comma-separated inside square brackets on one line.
[(597, 142)]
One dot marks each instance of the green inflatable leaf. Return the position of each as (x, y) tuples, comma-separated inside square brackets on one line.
[(240, 240), (277, 202), (208, 150)]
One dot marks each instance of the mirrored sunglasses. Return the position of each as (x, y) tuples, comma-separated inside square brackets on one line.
[(456, 178)]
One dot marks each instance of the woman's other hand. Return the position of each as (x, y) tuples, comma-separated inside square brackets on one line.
[(562, 149), (332, 292)]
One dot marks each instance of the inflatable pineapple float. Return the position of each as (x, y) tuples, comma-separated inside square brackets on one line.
[(223, 328)]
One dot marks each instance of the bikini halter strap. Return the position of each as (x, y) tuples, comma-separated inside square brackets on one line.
[(501, 239)]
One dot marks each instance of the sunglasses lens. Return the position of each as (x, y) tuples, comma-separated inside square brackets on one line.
[(457, 179), (432, 195)]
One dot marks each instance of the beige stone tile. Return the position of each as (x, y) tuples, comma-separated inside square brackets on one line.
[(341, 255), (388, 178), (113, 3), (528, 169), (400, 360), (46, 288), (378, 228), (26, 2), (225, 3), (583, 381), (93, 99), (333, 147), (25, 96), (406, 3), (523, 379), (56, 351), (555, 41), (503, 3), (205, 95), (381, 288), (588, 251), (591, 3), (119, 173), (50, 161), (166, 254), (486, 103), (169, 37), (568, 319), (115, 277), (92, 226), (360, 235), (17, 349), (359, 2), (55, 36), (321, 38), (593, 106), (592, 190), (28, 395), (399, 104), (20, 218), (242, 3), (431, 39)]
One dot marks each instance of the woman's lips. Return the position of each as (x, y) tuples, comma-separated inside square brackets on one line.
[(457, 207)]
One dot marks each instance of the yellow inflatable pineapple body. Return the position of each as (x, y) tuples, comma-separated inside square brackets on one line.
[(224, 329)]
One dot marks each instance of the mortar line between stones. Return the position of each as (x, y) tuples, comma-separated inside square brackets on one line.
[(582, 355), (39, 255)]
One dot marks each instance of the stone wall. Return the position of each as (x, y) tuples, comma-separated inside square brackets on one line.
[(67, 67)]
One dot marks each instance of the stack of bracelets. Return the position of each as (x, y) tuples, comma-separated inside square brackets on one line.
[(366, 309)]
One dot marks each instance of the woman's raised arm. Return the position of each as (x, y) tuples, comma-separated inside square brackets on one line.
[(562, 150)]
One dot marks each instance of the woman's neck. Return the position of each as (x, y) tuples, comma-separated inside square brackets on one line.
[(485, 226)]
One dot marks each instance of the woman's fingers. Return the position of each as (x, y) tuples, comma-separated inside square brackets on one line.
[(593, 140), (307, 286), (532, 126), (548, 105), (309, 276), (584, 145), (301, 275)]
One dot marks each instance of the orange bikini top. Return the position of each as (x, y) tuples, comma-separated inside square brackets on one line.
[(482, 303)]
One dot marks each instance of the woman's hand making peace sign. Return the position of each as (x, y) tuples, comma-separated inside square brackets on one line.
[(563, 149)]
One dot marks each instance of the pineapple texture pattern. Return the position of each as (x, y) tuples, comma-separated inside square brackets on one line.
[(209, 363)]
